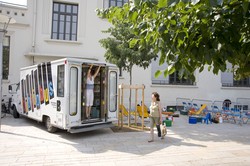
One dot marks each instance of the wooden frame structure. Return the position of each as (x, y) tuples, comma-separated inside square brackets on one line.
[(121, 89)]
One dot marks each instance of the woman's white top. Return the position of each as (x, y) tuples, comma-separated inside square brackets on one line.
[(90, 83)]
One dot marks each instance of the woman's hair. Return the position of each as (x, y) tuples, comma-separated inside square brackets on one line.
[(92, 72), (156, 95)]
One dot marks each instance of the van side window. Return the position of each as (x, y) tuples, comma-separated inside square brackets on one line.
[(112, 91), (60, 80)]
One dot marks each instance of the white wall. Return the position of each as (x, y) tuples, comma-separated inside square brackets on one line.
[(20, 41), (208, 85), (89, 32)]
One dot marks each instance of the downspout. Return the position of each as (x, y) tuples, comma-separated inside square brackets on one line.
[(33, 49)]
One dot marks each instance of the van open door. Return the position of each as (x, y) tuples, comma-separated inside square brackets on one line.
[(112, 93)]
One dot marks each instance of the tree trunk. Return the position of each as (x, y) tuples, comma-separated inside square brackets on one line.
[(130, 83)]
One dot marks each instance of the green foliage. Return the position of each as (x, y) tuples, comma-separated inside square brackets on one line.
[(190, 34), (124, 50)]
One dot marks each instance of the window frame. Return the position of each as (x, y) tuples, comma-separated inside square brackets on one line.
[(57, 23), (5, 76), (242, 82), (116, 1), (178, 81), (228, 79), (62, 79)]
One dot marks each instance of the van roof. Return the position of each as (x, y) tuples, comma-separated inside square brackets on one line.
[(76, 60)]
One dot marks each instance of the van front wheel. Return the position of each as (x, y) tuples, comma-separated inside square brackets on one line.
[(49, 126)]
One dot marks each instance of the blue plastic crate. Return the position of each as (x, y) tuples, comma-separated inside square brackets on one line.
[(192, 120)]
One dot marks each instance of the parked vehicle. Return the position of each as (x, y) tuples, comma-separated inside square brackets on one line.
[(6, 106), (55, 93)]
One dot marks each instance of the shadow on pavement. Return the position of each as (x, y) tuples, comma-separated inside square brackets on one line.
[(92, 142), (105, 140)]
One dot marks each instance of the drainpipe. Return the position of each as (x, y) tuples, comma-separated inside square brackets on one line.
[(33, 50)]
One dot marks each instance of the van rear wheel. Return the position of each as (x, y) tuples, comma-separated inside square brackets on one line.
[(49, 126), (15, 113)]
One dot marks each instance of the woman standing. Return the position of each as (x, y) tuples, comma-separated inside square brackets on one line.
[(90, 89), (155, 114)]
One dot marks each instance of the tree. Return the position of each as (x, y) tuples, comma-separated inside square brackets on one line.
[(190, 34), (119, 52)]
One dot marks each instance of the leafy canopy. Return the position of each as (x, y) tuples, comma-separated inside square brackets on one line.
[(119, 51), (190, 34)]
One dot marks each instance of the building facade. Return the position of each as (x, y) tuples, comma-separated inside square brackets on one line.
[(46, 30)]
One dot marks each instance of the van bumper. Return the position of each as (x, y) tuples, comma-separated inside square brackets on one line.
[(90, 127)]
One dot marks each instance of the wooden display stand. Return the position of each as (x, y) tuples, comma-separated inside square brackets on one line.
[(121, 89)]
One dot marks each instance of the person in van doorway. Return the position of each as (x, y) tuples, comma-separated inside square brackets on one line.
[(90, 89), (155, 115)]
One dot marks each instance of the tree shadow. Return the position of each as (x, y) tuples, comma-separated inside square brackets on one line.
[(101, 141), (97, 141)]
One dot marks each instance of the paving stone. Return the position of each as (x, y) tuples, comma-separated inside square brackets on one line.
[(25, 142)]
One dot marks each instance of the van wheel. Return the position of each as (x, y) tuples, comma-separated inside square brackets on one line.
[(15, 113), (49, 126)]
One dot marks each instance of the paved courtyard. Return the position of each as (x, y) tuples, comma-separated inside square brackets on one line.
[(26, 142)]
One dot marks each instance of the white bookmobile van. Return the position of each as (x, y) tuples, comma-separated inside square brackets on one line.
[(55, 93)]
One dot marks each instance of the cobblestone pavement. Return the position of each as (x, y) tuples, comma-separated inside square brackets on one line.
[(26, 142)]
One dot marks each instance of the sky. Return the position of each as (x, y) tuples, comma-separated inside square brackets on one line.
[(20, 2)]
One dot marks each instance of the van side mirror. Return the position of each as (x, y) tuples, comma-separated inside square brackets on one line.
[(10, 88)]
